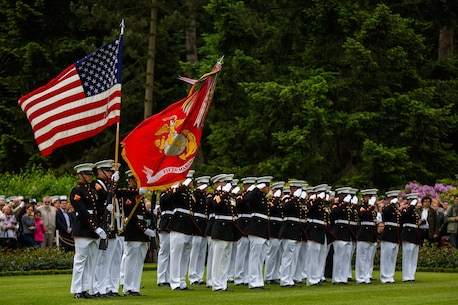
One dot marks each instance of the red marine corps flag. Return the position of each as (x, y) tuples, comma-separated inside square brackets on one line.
[(160, 150), (80, 102)]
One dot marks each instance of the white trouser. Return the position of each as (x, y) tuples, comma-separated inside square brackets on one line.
[(273, 258), (113, 284), (197, 259), (340, 262), (231, 269), (180, 247), (288, 261), (222, 251), (163, 258), (258, 247), (365, 252), (241, 261), (103, 267), (314, 261), (388, 256), (135, 258), (209, 261), (322, 260), (350, 268), (86, 251), (301, 270), (409, 260), (122, 270)]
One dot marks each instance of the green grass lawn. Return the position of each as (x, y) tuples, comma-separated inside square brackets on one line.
[(430, 288)]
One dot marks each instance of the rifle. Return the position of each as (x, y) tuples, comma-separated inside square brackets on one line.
[(106, 219)]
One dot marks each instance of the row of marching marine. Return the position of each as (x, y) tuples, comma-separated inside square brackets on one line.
[(109, 231), (280, 233)]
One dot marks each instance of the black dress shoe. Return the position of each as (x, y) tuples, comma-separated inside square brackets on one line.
[(113, 294), (133, 294), (78, 296), (87, 295), (272, 282), (163, 284)]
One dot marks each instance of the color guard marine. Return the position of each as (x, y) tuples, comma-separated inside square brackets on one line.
[(366, 245), (390, 237)]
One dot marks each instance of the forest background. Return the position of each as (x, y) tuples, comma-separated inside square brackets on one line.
[(345, 92)]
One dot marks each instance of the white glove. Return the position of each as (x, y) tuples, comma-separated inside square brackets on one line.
[(313, 197), (372, 200), (297, 193), (202, 187), (109, 207), (176, 185), (150, 233), (327, 197), (303, 194), (101, 233), (347, 198), (236, 190), (414, 202), (251, 187), (142, 191), (394, 200), (218, 188), (354, 200), (227, 187), (261, 186), (322, 195), (115, 176), (277, 193), (187, 182)]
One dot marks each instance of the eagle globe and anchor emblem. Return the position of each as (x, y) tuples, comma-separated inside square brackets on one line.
[(172, 143)]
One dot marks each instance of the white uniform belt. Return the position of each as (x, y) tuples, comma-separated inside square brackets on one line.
[(181, 210), (223, 217), (393, 224), (367, 223), (168, 212), (90, 211), (424, 227), (245, 215), (140, 217), (291, 219), (259, 215), (275, 218), (321, 222), (199, 215), (346, 222), (410, 225)]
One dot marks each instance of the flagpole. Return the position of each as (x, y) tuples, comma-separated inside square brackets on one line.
[(122, 25)]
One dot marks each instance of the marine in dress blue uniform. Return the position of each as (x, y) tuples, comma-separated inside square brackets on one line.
[(366, 246), (243, 244), (410, 237), (390, 239), (86, 232)]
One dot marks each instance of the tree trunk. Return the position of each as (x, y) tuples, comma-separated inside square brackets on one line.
[(191, 33), (148, 111), (191, 51), (445, 42)]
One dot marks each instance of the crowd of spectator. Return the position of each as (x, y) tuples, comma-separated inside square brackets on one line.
[(25, 222)]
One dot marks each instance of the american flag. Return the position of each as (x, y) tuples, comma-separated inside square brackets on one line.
[(80, 102)]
